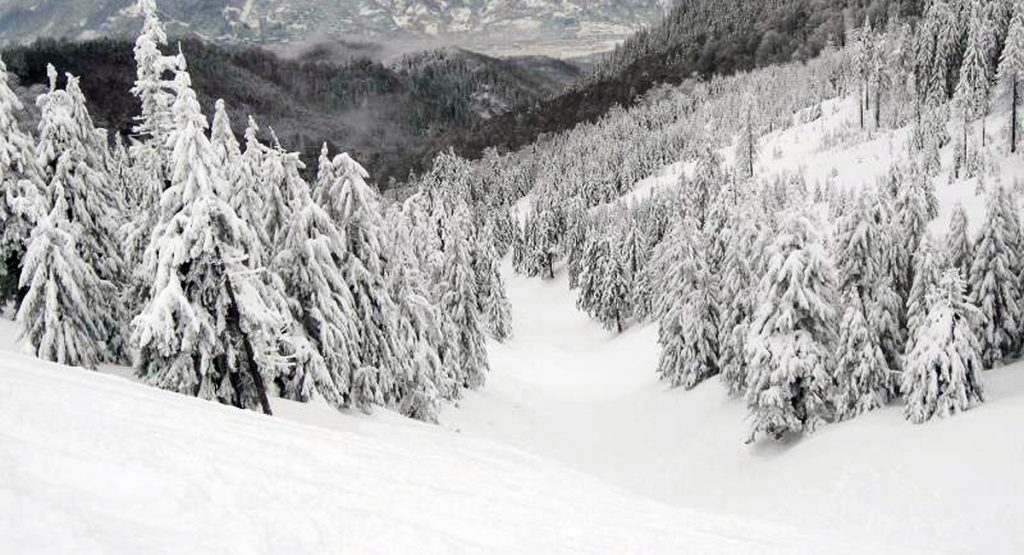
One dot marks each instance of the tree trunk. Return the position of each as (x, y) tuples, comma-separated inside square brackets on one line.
[(860, 105), (1013, 117), (878, 108)]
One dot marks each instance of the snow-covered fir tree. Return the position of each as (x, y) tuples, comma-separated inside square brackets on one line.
[(495, 309), (737, 285), (790, 380), (959, 248), (310, 256), (226, 149), (21, 181), (863, 252), (58, 316), (928, 266), (354, 205), (605, 291), (974, 84), (688, 331), (994, 286), (1011, 67), (862, 373), (464, 352), (208, 328), (150, 148), (943, 371), (72, 159), (247, 185)]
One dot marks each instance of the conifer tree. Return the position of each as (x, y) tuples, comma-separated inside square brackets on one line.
[(208, 328), (21, 182), (74, 169), (310, 256), (495, 310), (604, 286), (927, 273), (151, 147), (862, 373), (736, 292), (57, 316), (247, 189), (280, 176), (958, 244), (972, 89), (790, 380), (943, 371), (862, 252), (994, 284), (423, 381), (1011, 67), (465, 352), (227, 152), (688, 331), (355, 207)]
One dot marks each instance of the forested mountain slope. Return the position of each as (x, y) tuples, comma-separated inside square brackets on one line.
[(698, 38), (388, 115)]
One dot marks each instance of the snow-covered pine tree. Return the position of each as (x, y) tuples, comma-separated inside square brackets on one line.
[(423, 382), (150, 149), (309, 259), (280, 176), (74, 168), (632, 246), (958, 244), (862, 373), (495, 310), (208, 328), (972, 90), (928, 266), (747, 147), (942, 375), (862, 253), (58, 316), (688, 331), (464, 353), (21, 181), (994, 285), (604, 285), (737, 285), (247, 183), (325, 176), (1011, 67), (227, 152), (790, 379), (354, 205)]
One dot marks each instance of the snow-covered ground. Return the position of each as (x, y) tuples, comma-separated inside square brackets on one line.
[(93, 463), (566, 389)]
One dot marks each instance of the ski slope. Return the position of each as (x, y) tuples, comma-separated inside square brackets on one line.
[(93, 463)]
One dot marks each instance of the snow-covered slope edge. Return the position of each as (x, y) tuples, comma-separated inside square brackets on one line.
[(94, 463)]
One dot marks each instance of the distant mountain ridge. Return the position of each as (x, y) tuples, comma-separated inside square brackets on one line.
[(505, 25)]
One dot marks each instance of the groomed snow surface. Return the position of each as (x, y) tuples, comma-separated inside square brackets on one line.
[(572, 447)]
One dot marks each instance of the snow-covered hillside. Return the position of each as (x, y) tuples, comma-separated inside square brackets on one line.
[(91, 463), (568, 389)]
